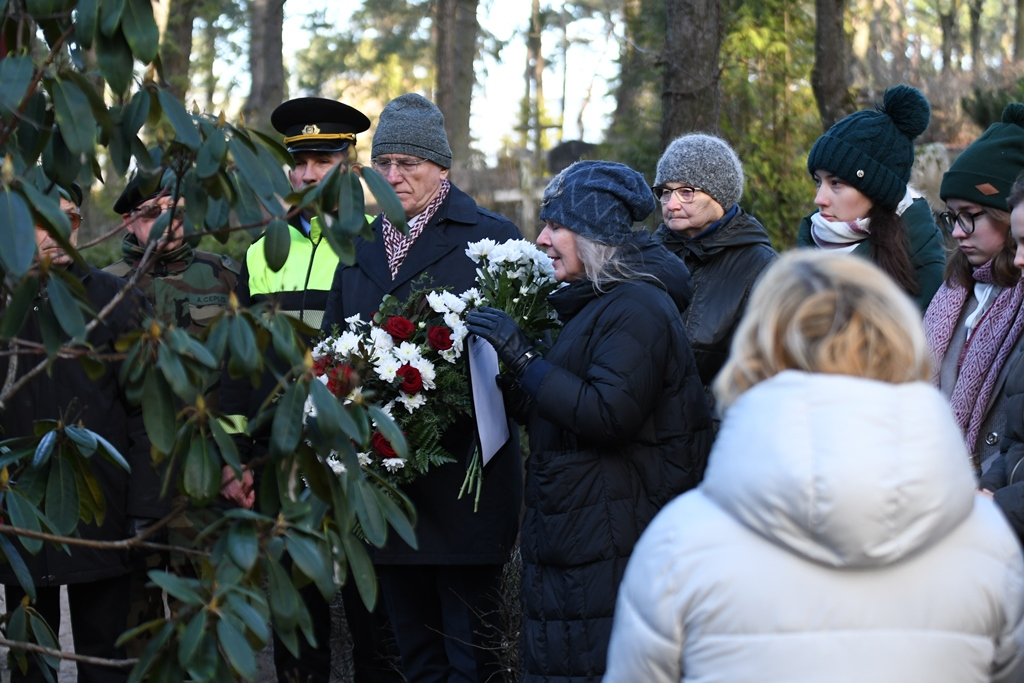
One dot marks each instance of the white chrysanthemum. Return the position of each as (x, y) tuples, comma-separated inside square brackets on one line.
[(427, 372), (393, 464), (437, 302), (407, 352), (387, 367), (364, 459), (354, 321), (346, 343), (337, 466), (321, 348), (452, 319), (308, 410), (451, 355), (478, 250), (472, 296), (411, 401), (454, 303), (381, 340), (459, 332)]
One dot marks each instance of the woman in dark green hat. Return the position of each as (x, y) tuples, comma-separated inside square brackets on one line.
[(865, 205), (976, 320)]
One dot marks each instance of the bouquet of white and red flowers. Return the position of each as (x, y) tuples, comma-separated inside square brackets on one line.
[(409, 358)]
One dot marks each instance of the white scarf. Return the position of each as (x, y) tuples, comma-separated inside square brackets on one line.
[(847, 234)]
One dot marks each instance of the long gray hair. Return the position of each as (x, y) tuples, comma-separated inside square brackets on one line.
[(605, 265)]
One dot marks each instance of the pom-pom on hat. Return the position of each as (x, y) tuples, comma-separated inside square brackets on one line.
[(703, 161), (599, 200), (874, 150), (985, 171), (316, 124), (411, 124)]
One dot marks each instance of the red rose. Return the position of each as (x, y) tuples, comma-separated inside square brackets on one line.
[(412, 382), (320, 365), (399, 328), (439, 337), (382, 446), (341, 380)]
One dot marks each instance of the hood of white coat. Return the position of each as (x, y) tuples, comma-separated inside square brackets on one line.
[(844, 471)]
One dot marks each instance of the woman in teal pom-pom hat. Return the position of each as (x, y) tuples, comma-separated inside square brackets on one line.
[(865, 205)]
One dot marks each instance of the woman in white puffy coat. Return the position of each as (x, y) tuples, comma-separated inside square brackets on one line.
[(837, 535)]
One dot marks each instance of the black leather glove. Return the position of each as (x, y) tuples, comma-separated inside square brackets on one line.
[(517, 401), (514, 348)]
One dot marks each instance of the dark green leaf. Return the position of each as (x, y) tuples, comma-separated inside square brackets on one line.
[(287, 426), (190, 639), (112, 454), (250, 168), (309, 560), (62, 497), (16, 74), (96, 102), (398, 520), (237, 649), (158, 411), (180, 120), (18, 307), (86, 16), (201, 476), (253, 619), (32, 484), (388, 201), (45, 449), (281, 155), (48, 208), (16, 628), (83, 438), (140, 29), (351, 205), (284, 599), (135, 112), (205, 661), (390, 431), (114, 56), (23, 515), (17, 234), (91, 503), (331, 417), (218, 211), (212, 152), (150, 654), (341, 243), (371, 517), (182, 589), (35, 127), (362, 569), (18, 566), (226, 446), (50, 330), (169, 363), (69, 315), (43, 635), (110, 16), (242, 345), (276, 244), (74, 116), (243, 546)]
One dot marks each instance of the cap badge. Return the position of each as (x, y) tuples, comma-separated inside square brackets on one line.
[(860, 173), (311, 129), (986, 189)]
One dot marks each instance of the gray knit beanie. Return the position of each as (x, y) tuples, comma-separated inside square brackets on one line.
[(411, 124), (703, 161), (599, 200)]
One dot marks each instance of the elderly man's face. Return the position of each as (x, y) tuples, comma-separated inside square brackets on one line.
[(48, 247), (311, 167), (140, 220), (416, 181)]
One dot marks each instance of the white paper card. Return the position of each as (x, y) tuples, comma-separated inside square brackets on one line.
[(488, 405)]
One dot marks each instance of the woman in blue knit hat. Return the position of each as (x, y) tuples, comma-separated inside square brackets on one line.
[(616, 413), (861, 167), (976, 320)]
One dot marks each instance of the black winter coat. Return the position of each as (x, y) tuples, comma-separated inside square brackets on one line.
[(103, 408), (447, 529), (724, 265), (1005, 478), (618, 428)]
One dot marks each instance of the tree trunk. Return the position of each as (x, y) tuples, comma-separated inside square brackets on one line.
[(266, 63), (691, 99), (629, 58), (1018, 33), (176, 46), (977, 59), (533, 44), (830, 76), (457, 30), (947, 24)]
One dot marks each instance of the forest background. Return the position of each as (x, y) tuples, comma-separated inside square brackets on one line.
[(767, 75)]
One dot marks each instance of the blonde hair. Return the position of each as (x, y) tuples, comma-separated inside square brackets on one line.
[(825, 312)]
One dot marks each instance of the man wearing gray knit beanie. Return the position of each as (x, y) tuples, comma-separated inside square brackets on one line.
[(699, 183), (439, 597)]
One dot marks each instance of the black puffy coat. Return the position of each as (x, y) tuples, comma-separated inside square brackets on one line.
[(103, 408), (724, 264), (619, 427), (1005, 478), (447, 529)]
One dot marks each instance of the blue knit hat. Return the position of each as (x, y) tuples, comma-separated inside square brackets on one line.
[(599, 200), (874, 150)]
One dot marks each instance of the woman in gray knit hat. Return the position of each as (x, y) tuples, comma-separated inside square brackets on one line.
[(699, 182), (861, 167)]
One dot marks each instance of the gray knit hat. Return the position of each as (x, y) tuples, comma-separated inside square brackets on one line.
[(599, 200), (411, 124), (703, 161)]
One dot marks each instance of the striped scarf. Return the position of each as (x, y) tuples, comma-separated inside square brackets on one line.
[(984, 353), (397, 245)]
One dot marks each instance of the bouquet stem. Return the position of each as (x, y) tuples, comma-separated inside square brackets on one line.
[(474, 480)]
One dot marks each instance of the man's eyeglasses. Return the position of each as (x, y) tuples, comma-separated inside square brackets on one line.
[(150, 212), (75, 218), (404, 166), (683, 194), (951, 219)]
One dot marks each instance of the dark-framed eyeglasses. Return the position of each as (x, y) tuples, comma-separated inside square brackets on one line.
[(404, 166), (965, 219), (74, 218), (150, 212), (683, 194)]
